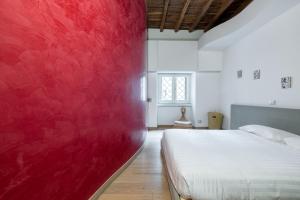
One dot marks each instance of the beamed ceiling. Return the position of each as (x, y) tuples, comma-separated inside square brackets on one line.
[(192, 14)]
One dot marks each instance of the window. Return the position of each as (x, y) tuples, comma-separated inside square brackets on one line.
[(174, 88)]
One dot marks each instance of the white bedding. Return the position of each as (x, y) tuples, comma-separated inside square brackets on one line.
[(230, 165)]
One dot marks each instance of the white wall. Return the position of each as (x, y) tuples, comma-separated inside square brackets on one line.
[(184, 56), (152, 55), (210, 60), (275, 50), (166, 55), (158, 114), (207, 96), (152, 105), (177, 55), (166, 115)]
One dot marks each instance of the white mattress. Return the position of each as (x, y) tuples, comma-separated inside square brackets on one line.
[(230, 165)]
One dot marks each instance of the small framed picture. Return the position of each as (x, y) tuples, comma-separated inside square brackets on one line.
[(239, 74), (286, 82), (256, 74)]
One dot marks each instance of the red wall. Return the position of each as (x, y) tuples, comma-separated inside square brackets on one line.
[(70, 108)]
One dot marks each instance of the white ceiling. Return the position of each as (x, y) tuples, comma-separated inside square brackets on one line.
[(256, 15)]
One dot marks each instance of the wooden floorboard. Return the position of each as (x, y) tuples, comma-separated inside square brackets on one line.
[(145, 178)]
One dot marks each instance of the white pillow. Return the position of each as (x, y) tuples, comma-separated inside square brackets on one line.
[(273, 134), (293, 142)]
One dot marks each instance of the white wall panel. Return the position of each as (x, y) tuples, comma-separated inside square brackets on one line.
[(152, 105), (207, 96), (210, 60), (152, 55), (178, 55)]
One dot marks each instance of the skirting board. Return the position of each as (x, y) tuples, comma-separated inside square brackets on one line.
[(97, 194), (163, 127)]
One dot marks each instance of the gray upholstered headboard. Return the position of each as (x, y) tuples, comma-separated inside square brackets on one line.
[(280, 118)]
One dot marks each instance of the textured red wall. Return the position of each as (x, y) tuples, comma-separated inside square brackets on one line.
[(70, 108)]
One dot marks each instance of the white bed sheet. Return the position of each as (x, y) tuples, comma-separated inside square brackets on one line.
[(230, 165)]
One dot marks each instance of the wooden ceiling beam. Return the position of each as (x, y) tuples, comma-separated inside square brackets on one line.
[(225, 5), (163, 20), (201, 15), (243, 5), (182, 14)]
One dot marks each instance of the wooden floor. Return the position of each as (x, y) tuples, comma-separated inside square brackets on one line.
[(145, 178)]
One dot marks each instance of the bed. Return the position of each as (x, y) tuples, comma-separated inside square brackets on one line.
[(232, 164)]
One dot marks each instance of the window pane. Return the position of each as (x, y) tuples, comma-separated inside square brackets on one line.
[(166, 88), (180, 88)]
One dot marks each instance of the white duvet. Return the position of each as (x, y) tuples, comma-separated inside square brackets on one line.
[(230, 165)]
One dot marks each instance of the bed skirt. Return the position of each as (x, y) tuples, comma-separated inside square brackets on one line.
[(173, 192)]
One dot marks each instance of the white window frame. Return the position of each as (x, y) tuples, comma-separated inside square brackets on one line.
[(174, 101)]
